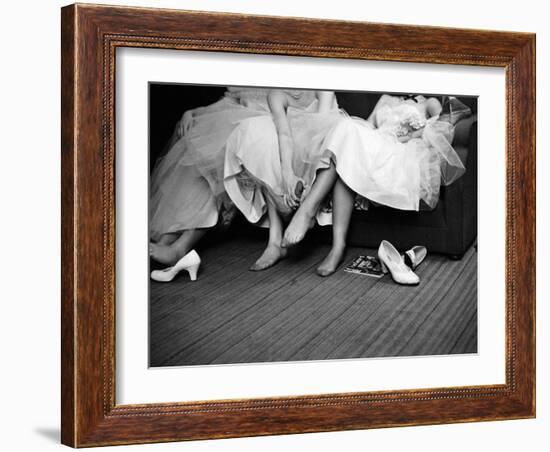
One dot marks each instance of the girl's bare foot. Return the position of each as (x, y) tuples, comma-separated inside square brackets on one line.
[(332, 261), (301, 222), (271, 255), (164, 254)]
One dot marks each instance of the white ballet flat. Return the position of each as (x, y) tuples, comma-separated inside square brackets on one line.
[(190, 262), (415, 256), (393, 262)]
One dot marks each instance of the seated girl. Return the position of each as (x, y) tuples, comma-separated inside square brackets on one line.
[(398, 157), (187, 193), (272, 162)]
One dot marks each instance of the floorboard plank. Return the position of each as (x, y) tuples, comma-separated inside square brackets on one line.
[(200, 311), (445, 323), (288, 313), (282, 335)]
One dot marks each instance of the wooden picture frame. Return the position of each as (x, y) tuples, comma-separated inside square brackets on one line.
[(90, 36)]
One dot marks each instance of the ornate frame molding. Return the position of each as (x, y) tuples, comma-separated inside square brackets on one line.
[(90, 37)]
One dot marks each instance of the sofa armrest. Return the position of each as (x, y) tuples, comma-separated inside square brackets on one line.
[(460, 197), (462, 130), (461, 137)]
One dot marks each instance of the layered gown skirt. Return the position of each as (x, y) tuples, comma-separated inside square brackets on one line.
[(186, 188), (379, 167), (253, 163)]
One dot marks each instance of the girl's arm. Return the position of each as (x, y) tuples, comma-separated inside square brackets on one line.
[(326, 101), (382, 101), (278, 103)]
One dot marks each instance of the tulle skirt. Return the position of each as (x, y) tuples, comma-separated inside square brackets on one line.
[(253, 164), (187, 189), (309, 131), (378, 167)]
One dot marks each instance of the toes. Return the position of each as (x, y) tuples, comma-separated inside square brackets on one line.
[(324, 272), (268, 259), (288, 243), (259, 266), (290, 240)]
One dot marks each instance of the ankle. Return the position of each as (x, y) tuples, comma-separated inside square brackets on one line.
[(308, 209), (275, 237)]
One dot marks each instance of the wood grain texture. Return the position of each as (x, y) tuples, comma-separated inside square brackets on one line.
[(68, 243), (90, 36), (288, 313)]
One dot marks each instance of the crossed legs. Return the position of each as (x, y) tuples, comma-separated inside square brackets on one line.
[(173, 246), (303, 220)]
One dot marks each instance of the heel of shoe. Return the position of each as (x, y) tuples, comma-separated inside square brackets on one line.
[(384, 267), (193, 270)]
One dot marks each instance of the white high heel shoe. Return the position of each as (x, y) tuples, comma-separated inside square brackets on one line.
[(393, 262), (190, 262)]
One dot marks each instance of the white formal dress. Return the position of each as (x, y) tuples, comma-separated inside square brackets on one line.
[(375, 164), (253, 158), (187, 185)]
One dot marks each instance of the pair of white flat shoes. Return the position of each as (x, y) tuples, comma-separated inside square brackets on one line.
[(401, 266), (190, 262)]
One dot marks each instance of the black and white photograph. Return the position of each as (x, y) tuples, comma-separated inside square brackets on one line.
[(297, 225)]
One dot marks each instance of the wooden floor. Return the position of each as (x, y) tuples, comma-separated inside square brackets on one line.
[(288, 313)]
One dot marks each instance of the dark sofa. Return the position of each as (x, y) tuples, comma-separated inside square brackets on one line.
[(451, 227)]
